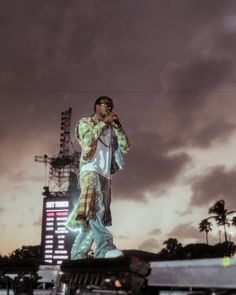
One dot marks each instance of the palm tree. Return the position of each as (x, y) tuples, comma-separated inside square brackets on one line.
[(173, 247), (221, 216), (205, 226)]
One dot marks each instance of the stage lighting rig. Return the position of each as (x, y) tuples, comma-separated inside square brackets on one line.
[(65, 163)]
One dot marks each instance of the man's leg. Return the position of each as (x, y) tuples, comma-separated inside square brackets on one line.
[(102, 236), (84, 239), (82, 243)]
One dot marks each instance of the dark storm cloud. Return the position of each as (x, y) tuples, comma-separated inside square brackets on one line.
[(226, 44), (27, 30), (185, 231), (76, 43), (216, 184), (189, 86), (192, 85), (115, 46), (149, 245), (185, 80), (148, 171), (220, 131)]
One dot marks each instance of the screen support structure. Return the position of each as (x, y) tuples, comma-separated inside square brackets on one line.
[(60, 191)]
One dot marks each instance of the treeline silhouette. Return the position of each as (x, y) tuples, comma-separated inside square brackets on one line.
[(172, 249), (25, 252)]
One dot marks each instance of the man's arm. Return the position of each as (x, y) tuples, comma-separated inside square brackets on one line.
[(122, 140), (88, 134)]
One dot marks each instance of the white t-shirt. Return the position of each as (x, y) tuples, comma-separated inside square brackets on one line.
[(101, 161)]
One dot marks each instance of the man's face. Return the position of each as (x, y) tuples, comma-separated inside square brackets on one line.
[(104, 108)]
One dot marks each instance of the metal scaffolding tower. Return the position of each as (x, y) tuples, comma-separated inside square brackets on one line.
[(59, 193), (61, 167)]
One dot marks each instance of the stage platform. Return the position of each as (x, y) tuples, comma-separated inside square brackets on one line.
[(132, 275), (36, 292), (219, 273)]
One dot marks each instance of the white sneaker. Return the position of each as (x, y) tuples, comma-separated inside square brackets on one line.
[(114, 253)]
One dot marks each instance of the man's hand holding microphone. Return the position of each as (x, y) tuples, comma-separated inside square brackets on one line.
[(112, 119)]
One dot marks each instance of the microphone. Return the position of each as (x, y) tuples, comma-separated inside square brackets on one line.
[(117, 123)]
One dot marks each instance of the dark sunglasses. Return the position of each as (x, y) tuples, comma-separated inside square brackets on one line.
[(107, 106)]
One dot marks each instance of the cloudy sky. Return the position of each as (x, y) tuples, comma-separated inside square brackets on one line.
[(170, 68)]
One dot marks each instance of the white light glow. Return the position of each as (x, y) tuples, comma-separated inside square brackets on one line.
[(49, 223), (60, 252), (62, 218), (48, 256), (60, 257), (49, 241), (61, 231), (60, 223), (57, 204)]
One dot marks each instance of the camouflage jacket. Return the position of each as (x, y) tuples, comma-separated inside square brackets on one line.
[(88, 130)]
